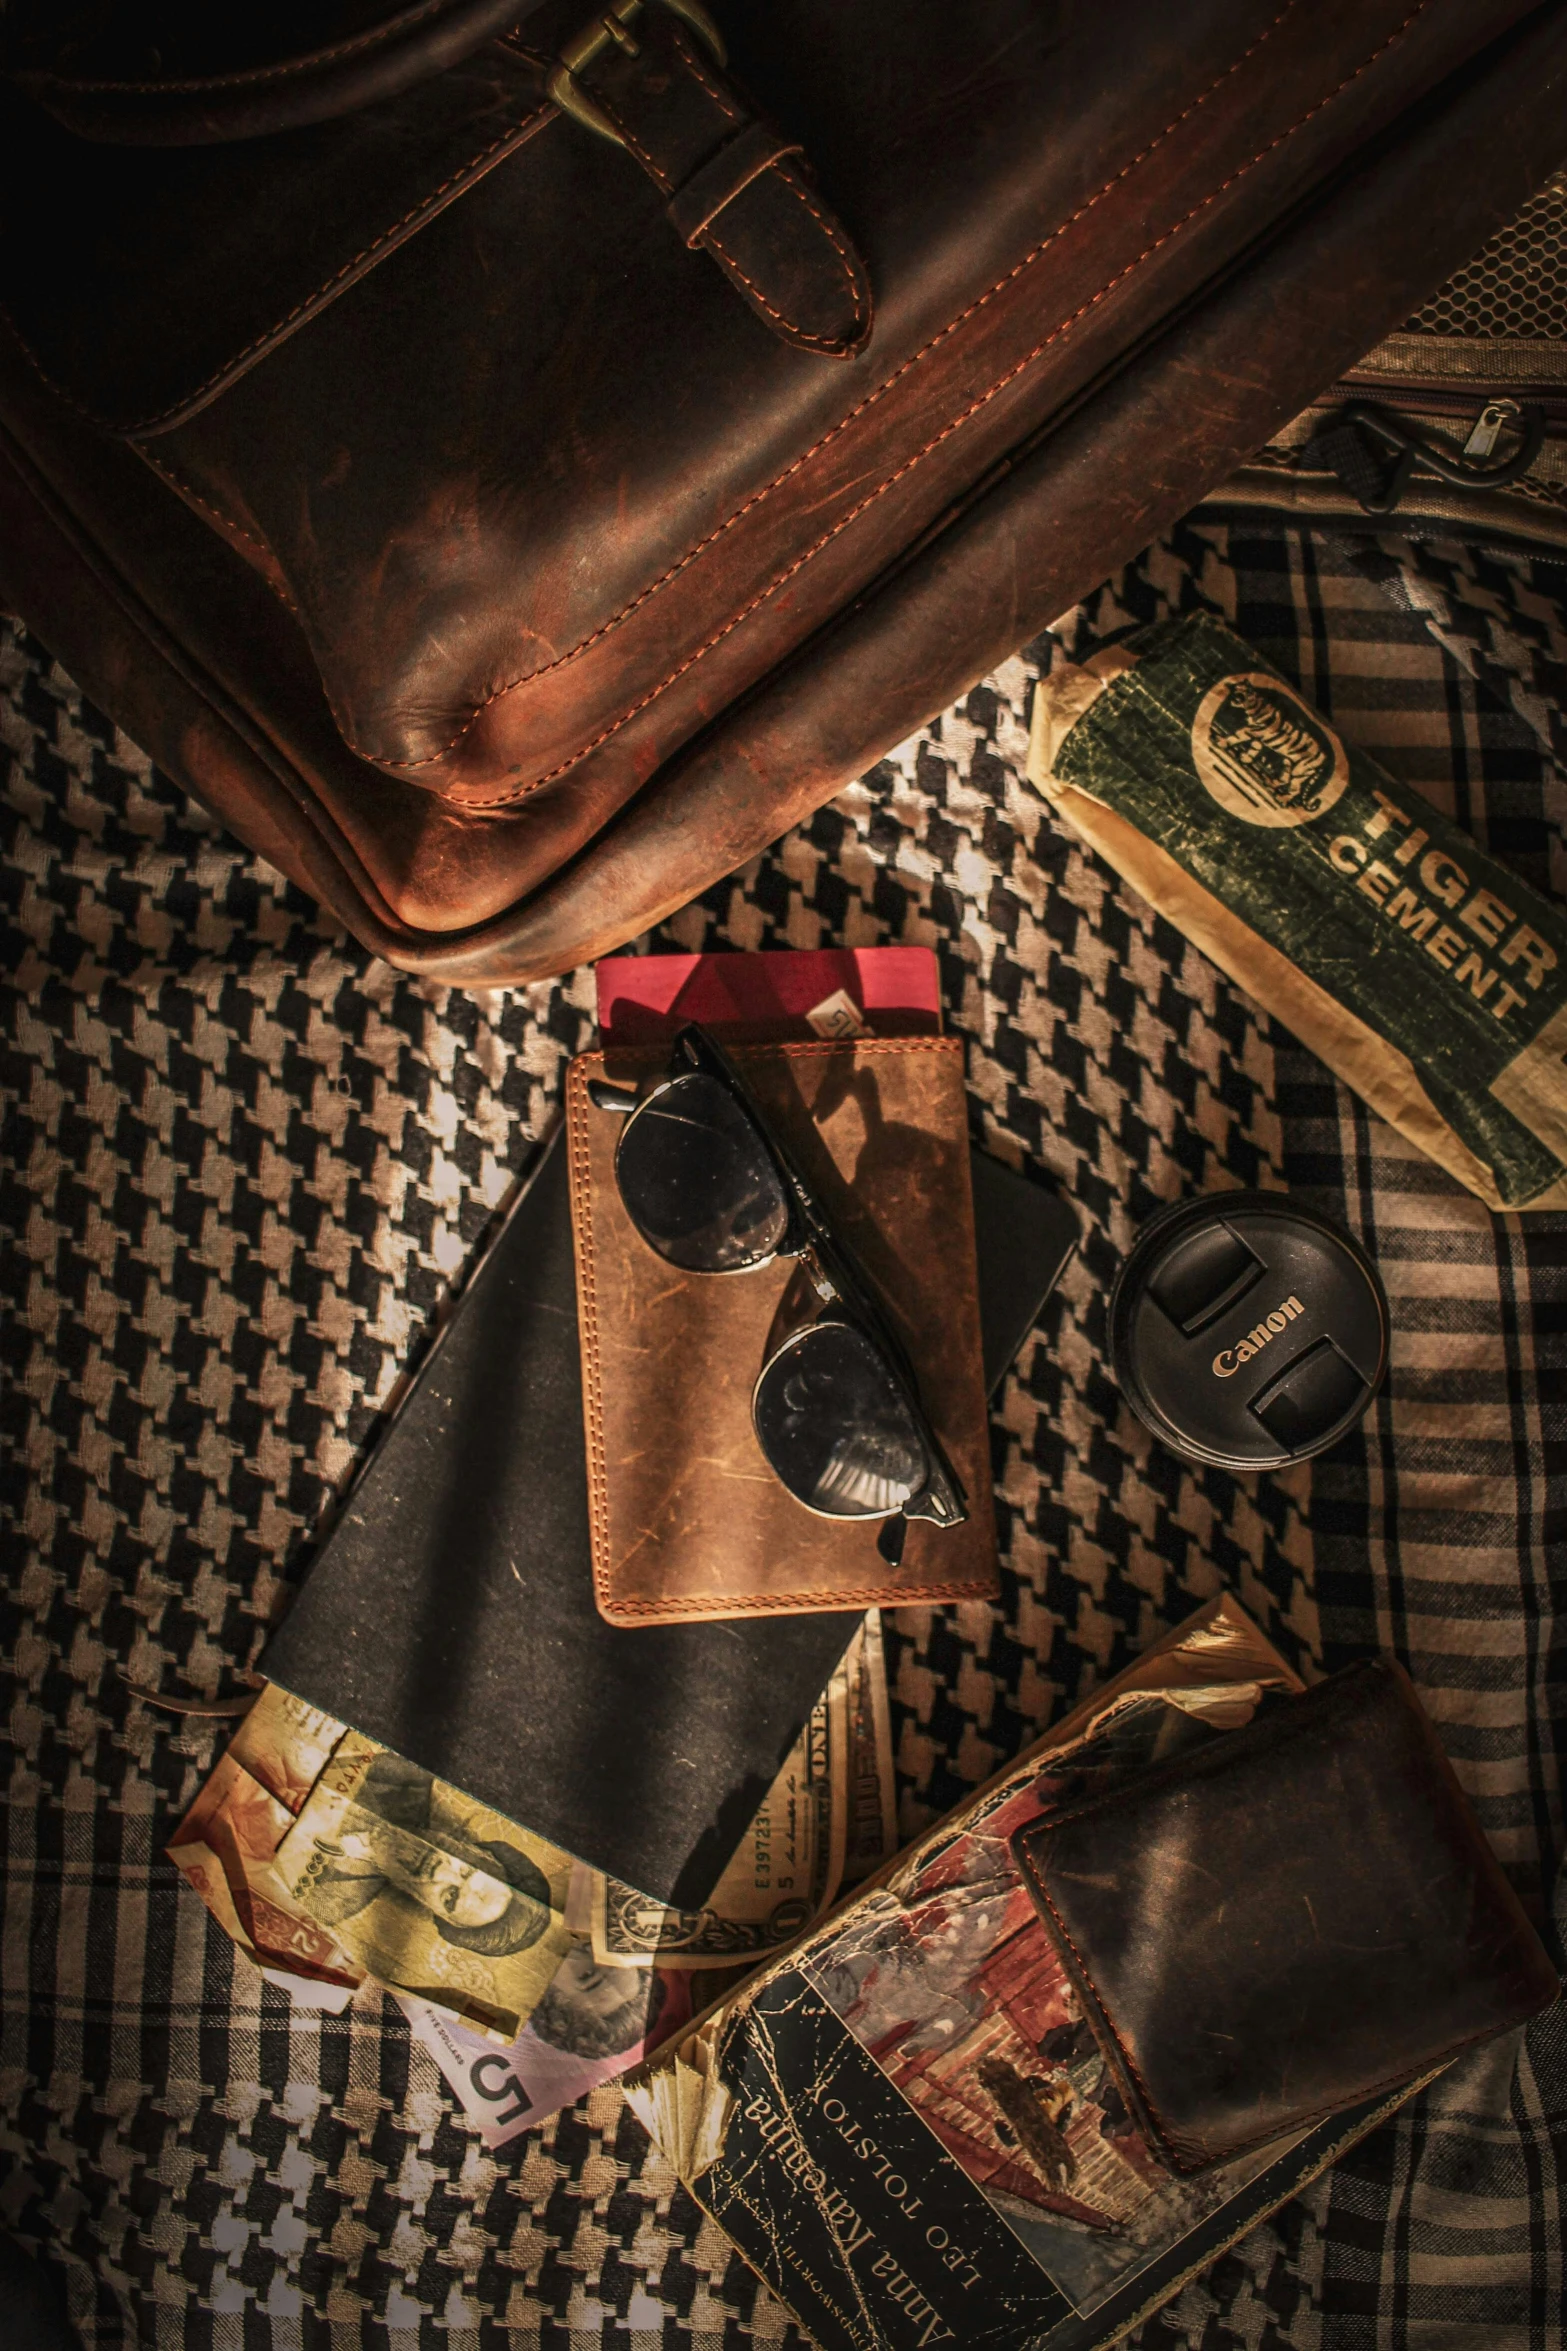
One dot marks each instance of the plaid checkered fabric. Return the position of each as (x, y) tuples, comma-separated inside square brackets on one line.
[(243, 1162)]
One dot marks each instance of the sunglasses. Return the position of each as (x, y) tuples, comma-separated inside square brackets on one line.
[(711, 1189)]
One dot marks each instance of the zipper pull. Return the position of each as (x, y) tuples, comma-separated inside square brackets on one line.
[(1489, 426), (1374, 451)]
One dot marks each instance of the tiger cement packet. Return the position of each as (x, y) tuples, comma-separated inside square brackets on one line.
[(1431, 979)]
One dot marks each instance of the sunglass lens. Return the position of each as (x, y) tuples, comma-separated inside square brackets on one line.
[(833, 1423), (697, 1181)]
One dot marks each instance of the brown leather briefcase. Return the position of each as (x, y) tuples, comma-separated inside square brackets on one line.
[(514, 485)]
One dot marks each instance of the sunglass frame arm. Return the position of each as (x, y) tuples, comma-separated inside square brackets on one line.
[(813, 1238)]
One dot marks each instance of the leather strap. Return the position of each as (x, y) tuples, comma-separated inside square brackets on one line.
[(733, 187), (723, 177)]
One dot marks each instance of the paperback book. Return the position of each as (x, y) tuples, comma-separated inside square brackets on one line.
[(906, 2124)]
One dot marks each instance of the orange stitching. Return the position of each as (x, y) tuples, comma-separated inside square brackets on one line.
[(505, 799), (698, 71), (521, 791), (183, 489), (654, 170), (853, 415), (840, 1596), (820, 1045), (859, 292), (535, 122), (587, 1315), (786, 326), (253, 75), (794, 180), (524, 128)]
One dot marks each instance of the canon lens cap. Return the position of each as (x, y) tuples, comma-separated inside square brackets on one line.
[(1247, 1331)]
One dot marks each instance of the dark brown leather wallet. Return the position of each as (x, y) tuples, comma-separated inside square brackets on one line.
[(1288, 1920)]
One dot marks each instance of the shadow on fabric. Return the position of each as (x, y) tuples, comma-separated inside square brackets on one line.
[(34, 2306)]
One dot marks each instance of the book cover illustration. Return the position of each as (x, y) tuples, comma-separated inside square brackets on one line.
[(952, 1986), (907, 2126)]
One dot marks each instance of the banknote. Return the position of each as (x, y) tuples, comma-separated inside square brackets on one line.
[(430, 1891), (285, 1745), (226, 1848), (200, 1867), (593, 2023), (203, 1872), (871, 1811), (792, 1859)]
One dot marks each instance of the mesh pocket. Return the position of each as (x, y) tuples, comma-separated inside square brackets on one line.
[(1516, 286)]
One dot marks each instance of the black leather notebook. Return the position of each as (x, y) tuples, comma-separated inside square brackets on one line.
[(450, 1611)]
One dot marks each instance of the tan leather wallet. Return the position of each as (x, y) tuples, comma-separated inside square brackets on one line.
[(688, 1520)]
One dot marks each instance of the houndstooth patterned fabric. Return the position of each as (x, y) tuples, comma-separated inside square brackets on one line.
[(243, 1162)]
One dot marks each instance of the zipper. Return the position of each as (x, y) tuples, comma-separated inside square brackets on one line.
[(1443, 404), (1376, 435)]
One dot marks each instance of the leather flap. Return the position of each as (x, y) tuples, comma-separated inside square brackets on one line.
[(549, 487), (1288, 1920), (176, 73), (149, 279)]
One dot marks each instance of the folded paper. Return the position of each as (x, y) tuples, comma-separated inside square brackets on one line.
[(1428, 976)]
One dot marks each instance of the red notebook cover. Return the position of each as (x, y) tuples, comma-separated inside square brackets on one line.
[(776, 997)]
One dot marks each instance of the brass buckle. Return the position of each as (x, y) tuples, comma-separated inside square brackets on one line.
[(612, 25)]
